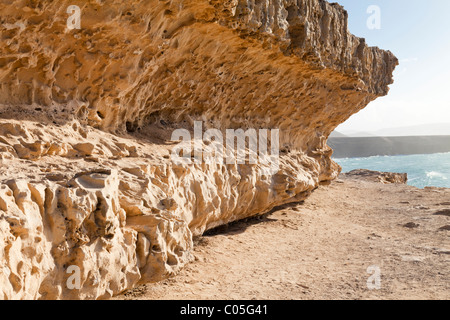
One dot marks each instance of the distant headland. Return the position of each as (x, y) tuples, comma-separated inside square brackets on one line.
[(355, 147)]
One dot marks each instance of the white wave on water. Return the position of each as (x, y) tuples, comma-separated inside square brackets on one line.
[(434, 174)]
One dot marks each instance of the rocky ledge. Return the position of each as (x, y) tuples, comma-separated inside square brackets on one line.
[(376, 176), (91, 201)]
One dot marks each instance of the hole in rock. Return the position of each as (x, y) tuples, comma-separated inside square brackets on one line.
[(101, 116)]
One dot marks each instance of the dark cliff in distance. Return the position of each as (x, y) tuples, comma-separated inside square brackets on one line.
[(355, 147)]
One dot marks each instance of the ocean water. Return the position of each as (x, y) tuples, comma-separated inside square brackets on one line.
[(424, 170)]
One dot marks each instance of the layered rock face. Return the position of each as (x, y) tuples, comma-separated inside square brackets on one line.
[(87, 181)]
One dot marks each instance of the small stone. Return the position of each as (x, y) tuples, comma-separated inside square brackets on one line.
[(411, 225)]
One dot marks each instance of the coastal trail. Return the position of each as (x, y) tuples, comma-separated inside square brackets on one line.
[(323, 249)]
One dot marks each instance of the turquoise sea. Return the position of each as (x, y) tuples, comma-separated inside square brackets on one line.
[(424, 170)]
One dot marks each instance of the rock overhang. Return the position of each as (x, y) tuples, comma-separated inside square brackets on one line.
[(86, 117)]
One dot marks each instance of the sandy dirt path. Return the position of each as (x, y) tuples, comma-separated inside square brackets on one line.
[(322, 249)]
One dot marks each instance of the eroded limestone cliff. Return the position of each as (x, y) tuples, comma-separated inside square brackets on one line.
[(86, 118)]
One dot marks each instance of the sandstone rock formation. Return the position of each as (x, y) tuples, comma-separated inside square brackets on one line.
[(86, 118), (376, 176)]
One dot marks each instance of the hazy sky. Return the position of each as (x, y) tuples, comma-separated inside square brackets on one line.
[(418, 33)]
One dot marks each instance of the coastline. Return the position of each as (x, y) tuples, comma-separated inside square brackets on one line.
[(323, 247), (424, 170)]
